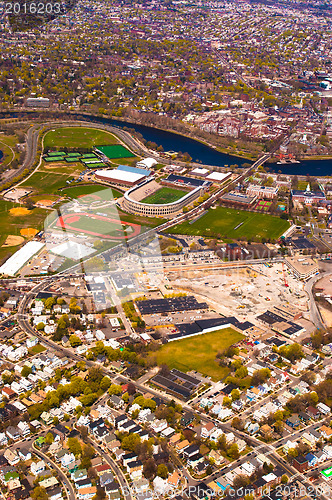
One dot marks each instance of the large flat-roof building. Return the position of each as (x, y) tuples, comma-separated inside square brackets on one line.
[(267, 192), (303, 268), (238, 199), (122, 176)]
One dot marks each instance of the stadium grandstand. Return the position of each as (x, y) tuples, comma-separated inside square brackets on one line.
[(183, 181), (132, 203)]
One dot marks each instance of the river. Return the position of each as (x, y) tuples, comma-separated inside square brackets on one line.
[(171, 141), (315, 168), (201, 153)]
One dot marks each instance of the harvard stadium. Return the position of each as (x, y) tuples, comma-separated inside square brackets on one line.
[(184, 191)]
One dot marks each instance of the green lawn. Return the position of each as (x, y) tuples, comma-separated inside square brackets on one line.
[(199, 352), (77, 137), (46, 182), (164, 195), (230, 223), (37, 349), (115, 151), (8, 148), (104, 194)]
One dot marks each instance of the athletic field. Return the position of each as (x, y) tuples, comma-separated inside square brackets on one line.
[(164, 195), (236, 224), (97, 225), (77, 137), (115, 151), (89, 189), (199, 352)]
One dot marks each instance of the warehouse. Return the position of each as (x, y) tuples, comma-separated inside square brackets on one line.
[(219, 177), (21, 257), (187, 303)]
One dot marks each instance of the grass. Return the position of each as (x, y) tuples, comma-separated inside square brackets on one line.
[(77, 137), (230, 223), (46, 182), (37, 349), (105, 194), (7, 146), (199, 352), (164, 195)]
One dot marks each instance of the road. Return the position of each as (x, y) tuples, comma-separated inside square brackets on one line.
[(125, 488), (70, 493), (314, 312)]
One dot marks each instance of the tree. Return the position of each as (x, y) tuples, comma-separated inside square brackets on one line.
[(235, 394), (237, 423), (75, 341), (39, 493), (40, 326), (162, 471), (26, 370), (74, 446), (284, 479), (130, 442), (233, 451), (115, 389), (49, 438), (227, 401), (105, 383), (149, 469)]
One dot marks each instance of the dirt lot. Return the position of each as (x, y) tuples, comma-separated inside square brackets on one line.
[(244, 293)]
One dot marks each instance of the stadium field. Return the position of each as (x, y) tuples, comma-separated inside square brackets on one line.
[(199, 352), (225, 222), (115, 151), (164, 195), (77, 137)]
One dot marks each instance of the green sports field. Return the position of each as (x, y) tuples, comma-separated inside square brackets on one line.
[(46, 182), (236, 224), (164, 195), (199, 352), (115, 151), (77, 137), (105, 194)]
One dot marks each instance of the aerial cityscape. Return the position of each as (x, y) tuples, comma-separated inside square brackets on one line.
[(166, 250)]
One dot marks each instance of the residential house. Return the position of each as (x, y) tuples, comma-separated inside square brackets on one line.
[(37, 468)]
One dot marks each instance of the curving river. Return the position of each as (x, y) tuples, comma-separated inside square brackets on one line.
[(201, 153)]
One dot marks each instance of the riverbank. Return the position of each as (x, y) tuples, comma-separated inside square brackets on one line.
[(201, 152)]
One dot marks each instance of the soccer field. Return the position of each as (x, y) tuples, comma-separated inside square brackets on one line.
[(77, 137), (236, 224), (164, 195), (199, 352), (115, 151)]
